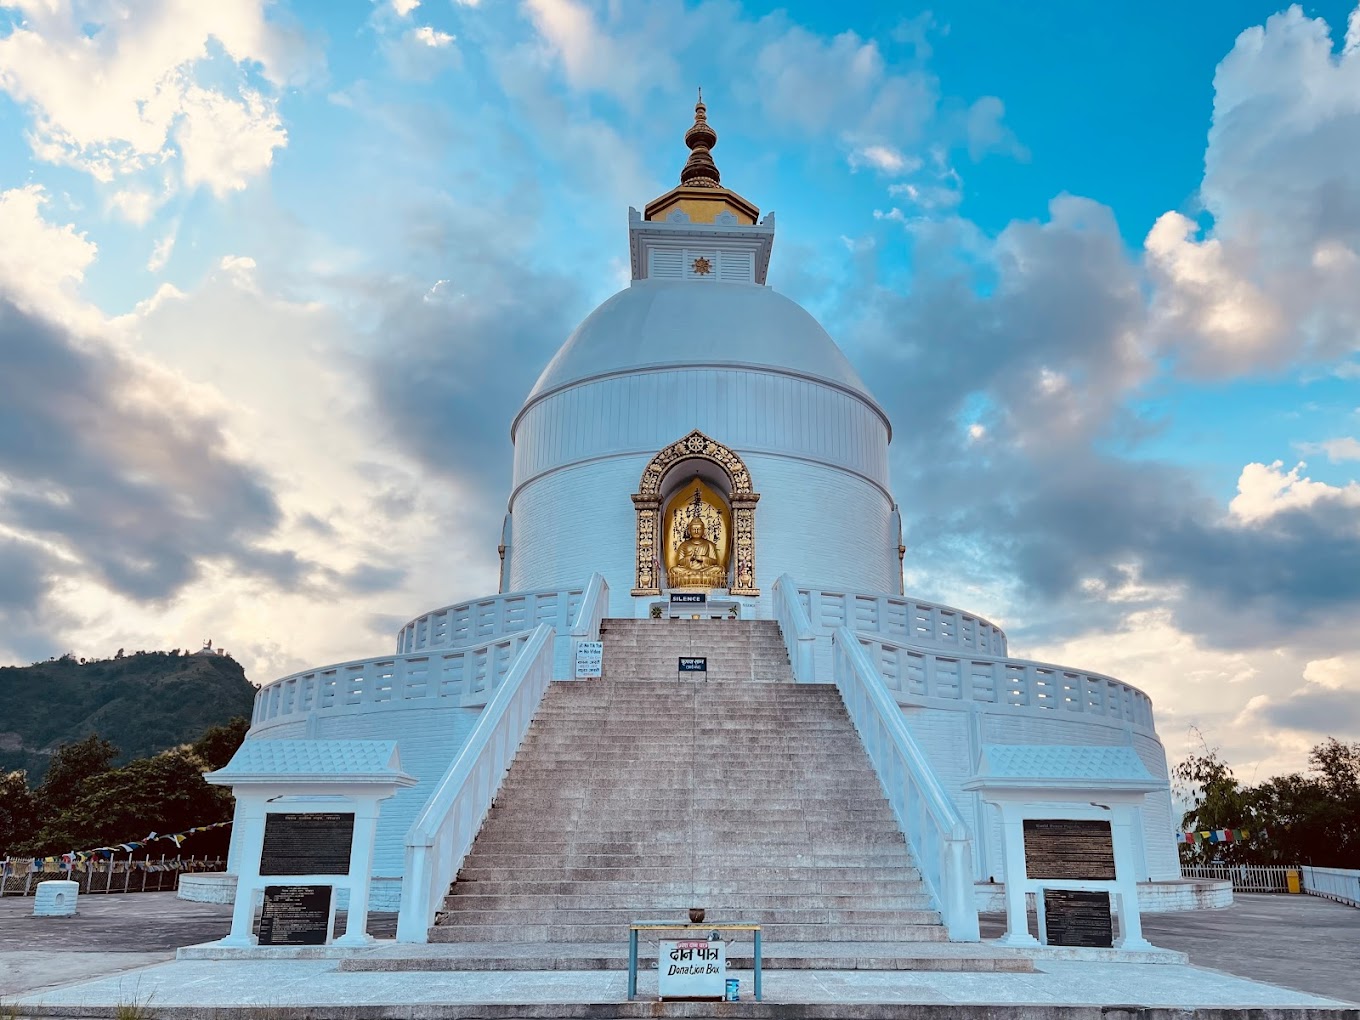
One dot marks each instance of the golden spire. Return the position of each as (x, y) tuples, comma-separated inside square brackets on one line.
[(700, 196), (700, 171)]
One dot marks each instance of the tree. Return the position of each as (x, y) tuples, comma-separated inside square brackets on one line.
[(72, 767), (1307, 819), (163, 793), (18, 811), (219, 743)]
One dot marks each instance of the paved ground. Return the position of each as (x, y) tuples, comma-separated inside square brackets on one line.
[(1300, 942), (1303, 944)]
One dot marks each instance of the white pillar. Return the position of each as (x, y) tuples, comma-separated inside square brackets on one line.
[(360, 869), (1013, 842)]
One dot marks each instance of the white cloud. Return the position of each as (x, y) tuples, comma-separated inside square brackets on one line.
[(404, 7), (115, 101), (1273, 278), (160, 254), (985, 132), (1266, 490), (621, 61), (432, 37), (41, 265), (1337, 450), (883, 158)]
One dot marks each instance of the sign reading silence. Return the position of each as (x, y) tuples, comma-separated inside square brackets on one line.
[(693, 664)]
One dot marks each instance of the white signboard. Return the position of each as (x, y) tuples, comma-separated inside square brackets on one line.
[(695, 969), (589, 659)]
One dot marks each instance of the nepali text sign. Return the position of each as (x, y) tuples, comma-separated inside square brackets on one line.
[(1065, 848), (589, 659), (307, 843), (295, 915), (693, 664), (694, 969)]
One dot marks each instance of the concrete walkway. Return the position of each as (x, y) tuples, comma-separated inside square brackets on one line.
[(89, 965)]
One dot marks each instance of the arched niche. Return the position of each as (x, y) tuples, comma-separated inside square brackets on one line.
[(675, 464)]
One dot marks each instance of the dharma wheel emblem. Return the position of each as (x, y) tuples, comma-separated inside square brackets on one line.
[(702, 266)]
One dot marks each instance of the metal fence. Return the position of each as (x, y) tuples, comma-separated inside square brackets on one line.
[(21, 876), (1245, 877)]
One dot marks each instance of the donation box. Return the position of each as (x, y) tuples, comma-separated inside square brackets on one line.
[(693, 969)]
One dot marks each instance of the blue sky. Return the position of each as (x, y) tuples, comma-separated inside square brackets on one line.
[(277, 275)]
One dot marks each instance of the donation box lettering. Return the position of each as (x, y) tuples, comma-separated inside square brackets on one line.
[(694, 969), (307, 843), (295, 915), (1065, 848)]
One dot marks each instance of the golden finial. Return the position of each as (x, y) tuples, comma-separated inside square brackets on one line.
[(699, 170)]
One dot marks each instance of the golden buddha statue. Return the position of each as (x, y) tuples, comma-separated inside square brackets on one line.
[(697, 564)]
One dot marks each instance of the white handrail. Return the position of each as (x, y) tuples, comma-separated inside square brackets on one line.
[(915, 674), (442, 833), (935, 830), (799, 638), (476, 620), (590, 613)]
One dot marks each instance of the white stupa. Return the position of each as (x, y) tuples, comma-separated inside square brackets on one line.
[(699, 394)]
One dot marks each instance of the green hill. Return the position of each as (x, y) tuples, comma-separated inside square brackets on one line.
[(144, 703)]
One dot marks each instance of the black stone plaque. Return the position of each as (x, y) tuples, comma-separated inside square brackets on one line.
[(1077, 918), (693, 664), (295, 915), (1069, 849), (689, 598), (307, 843)]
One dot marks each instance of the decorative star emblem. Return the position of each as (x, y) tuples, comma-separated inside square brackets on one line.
[(702, 266)]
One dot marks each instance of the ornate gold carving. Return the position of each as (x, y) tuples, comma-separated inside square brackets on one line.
[(647, 501), (702, 266)]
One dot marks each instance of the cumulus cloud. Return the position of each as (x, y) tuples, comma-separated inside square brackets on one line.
[(1266, 490), (119, 474), (116, 91), (1274, 277)]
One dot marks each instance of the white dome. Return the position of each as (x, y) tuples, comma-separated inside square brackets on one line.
[(670, 323)]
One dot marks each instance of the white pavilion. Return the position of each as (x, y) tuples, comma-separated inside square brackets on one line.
[(701, 433)]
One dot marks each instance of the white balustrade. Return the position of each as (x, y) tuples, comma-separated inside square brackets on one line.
[(442, 833), (916, 622), (935, 830), (799, 638), (912, 673), (470, 623), (465, 677), (1340, 884)]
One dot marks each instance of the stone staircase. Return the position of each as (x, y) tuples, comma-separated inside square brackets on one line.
[(743, 650), (748, 795)]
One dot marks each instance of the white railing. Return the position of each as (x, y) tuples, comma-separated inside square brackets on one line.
[(799, 638), (916, 622), (1244, 877), (469, 623), (934, 828), (443, 832), (589, 615), (1011, 684), (1340, 884), (465, 677)]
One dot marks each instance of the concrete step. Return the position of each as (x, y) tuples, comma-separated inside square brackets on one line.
[(460, 913), (550, 932), (682, 885), (680, 902)]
